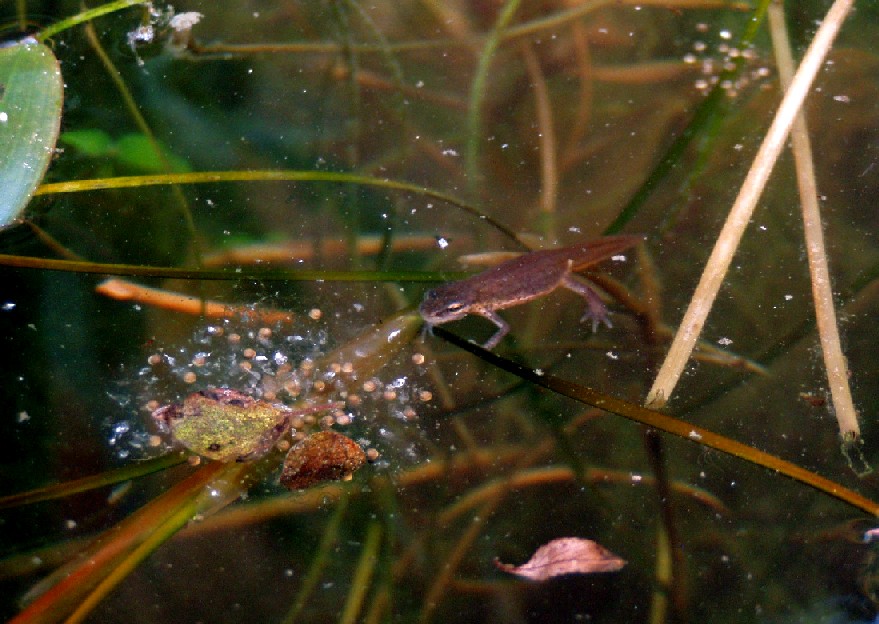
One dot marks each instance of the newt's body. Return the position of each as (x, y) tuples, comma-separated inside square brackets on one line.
[(522, 279)]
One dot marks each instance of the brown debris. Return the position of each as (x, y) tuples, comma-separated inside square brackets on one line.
[(322, 456)]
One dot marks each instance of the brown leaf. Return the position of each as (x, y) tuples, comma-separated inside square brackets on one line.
[(322, 456), (566, 555), (224, 424)]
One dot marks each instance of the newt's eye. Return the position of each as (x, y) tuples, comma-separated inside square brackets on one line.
[(454, 307)]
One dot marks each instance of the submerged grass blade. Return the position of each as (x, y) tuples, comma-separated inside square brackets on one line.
[(110, 477), (288, 275), (668, 424), (362, 574), (180, 518), (76, 580), (205, 177), (706, 116), (542, 476), (478, 90), (81, 584), (373, 349), (320, 561), (154, 145), (86, 16)]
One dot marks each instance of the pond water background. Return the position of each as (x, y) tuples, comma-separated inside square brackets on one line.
[(578, 106)]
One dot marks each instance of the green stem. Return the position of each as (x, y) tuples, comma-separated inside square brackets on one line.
[(85, 16), (279, 175), (297, 275)]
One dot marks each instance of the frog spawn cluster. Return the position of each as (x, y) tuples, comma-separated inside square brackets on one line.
[(712, 61), (238, 389), (226, 425)]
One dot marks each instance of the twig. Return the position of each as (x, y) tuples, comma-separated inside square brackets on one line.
[(743, 208), (822, 291), (123, 290)]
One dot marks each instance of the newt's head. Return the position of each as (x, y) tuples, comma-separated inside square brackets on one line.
[(444, 304)]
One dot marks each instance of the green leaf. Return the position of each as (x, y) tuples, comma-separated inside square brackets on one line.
[(131, 151), (31, 91), (91, 143), (138, 152)]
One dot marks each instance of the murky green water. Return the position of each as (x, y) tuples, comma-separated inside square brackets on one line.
[(468, 464)]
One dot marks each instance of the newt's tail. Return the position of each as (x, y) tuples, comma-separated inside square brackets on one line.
[(603, 248)]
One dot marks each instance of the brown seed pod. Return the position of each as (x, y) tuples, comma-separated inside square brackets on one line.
[(322, 456), (224, 424)]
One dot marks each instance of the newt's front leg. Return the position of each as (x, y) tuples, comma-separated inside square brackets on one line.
[(503, 327)]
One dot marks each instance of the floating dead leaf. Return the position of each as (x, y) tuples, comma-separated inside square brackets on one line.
[(322, 456), (224, 424), (566, 555)]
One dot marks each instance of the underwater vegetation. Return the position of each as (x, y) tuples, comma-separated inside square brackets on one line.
[(244, 249)]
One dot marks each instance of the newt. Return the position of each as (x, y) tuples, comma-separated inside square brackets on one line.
[(520, 280)]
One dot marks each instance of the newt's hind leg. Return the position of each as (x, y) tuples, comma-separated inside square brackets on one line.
[(595, 309)]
